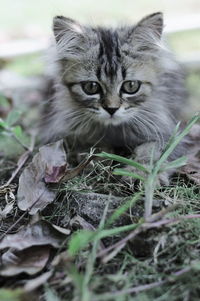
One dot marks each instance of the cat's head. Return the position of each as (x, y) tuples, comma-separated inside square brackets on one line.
[(109, 74)]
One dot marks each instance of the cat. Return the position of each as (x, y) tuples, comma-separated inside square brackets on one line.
[(118, 89)]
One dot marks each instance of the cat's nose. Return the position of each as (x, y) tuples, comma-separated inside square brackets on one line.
[(111, 111)]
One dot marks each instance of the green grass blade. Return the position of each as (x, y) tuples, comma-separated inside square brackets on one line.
[(123, 208), (80, 240), (175, 164), (117, 230), (172, 137), (176, 140), (123, 172), (123, 160), (13, 117)]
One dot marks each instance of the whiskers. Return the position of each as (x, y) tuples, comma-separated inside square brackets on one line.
[(148, 126)]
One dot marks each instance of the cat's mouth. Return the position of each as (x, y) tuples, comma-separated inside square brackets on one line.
[(110, 116)]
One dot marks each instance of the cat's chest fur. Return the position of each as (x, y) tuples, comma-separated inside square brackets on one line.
[(114, 138)]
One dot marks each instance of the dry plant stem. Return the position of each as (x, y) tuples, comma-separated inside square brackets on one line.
[(143, 227), (15, 172), (141, 288), (152, 218), (157, 216), (70, 174)]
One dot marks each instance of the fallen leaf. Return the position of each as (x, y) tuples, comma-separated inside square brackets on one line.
[(30, 261), (48, 166), (29, 248), (38, 234), (80, 222), (54, 160), (61, 260), (37, 282)]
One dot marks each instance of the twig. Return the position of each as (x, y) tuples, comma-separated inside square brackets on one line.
[(75, 171), (141, 288), (22, 161), (157, 216), (143, 227)]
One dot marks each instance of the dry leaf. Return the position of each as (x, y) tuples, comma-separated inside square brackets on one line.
[(48, 166), (29, 249), (80, 222), (54, 159), (38, 234), (31, 261), (37, 282)]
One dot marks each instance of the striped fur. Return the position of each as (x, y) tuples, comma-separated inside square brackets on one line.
[(110, 57)]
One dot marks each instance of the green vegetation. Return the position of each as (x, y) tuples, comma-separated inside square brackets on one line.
[(152, 259), (155, 258), (185, 42), (27, 65)]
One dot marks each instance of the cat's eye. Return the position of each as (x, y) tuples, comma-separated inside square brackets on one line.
[(130, 86), (91, 87)]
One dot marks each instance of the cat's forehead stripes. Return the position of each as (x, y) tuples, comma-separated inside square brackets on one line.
[(109, 55)]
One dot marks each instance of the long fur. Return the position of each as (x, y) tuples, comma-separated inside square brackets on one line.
[(111, 56)]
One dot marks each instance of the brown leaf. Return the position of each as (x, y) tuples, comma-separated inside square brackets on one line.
[(29, 249), (31, 261), (37, 282), (47, 166), (55, 161), (61, 260), (38, 234)]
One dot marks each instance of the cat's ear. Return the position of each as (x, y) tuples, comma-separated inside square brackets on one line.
[(70, 37), (63, 27), (151, 25)]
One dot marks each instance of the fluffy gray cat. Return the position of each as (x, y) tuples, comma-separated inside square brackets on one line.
[(115, 88)]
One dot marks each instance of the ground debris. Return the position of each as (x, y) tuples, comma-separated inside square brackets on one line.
[(28, 250), (47, 166), (92, 205)]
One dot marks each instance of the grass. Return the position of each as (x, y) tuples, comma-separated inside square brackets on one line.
[(167, 251), (156, 255), (149, 264), (145, 272), (160, 263)]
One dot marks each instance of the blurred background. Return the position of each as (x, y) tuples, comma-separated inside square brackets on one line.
[(25, 33)]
